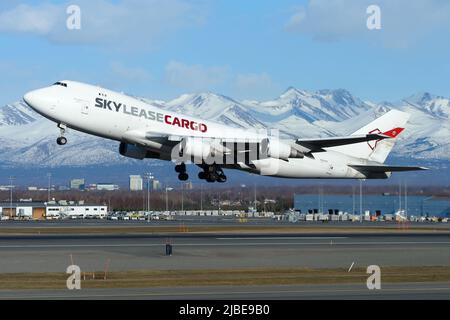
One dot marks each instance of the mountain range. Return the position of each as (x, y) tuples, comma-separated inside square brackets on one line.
[(27, 139)]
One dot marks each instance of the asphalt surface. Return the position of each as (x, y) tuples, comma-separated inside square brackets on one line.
[(34, 253), (410, 291), (53, 253)]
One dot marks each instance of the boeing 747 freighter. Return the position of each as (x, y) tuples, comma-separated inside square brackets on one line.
[(144, 130)]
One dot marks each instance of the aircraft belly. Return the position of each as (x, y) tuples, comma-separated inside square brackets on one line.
[(302, 168)]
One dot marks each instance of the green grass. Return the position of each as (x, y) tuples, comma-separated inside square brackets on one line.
[(235, 277)]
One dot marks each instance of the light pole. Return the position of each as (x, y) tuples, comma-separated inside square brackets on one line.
[(167, 196), (255, 210), (360, 200), (11, 178), (201, 197), (167, 199), (182, 196), (406, 199), (49, 176), (149, 176), (218, 196), (353, 199)]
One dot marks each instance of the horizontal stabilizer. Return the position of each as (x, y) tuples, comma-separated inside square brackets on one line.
[(381, 168), (317, 145)]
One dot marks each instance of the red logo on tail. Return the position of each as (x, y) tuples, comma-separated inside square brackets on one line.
[(393, 133)]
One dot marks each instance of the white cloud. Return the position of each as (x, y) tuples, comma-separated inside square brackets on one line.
[(125, 24), (25, 18), (195, 77), (129, 73), (404, 22)]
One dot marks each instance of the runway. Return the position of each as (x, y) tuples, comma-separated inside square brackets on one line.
[(211, 251), (410, 291), (127, 252)]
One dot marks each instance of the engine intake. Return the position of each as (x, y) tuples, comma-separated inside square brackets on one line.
[(274, 148), (132, 151)]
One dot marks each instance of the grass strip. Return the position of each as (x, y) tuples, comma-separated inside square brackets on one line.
[(234, 277)]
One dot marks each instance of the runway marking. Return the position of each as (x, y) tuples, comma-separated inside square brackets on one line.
[(156, 294), (123, 245), (282, 238)]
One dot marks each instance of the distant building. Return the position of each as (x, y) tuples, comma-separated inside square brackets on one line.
[(32, 188), (41, 210), (91, 187), (188, 186), (136, 183), (156, 185), (77, 184), (375, 204), (107, 187)]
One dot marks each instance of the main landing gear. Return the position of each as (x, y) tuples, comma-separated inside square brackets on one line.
[(181, 170), (62, 140), (212, 173)]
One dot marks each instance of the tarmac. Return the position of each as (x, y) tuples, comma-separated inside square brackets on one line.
[(410, 291), (123, 252), (134, 252)]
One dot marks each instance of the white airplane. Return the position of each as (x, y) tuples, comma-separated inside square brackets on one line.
[(149, 131)]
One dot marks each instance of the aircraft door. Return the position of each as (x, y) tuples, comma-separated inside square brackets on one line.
[(84, 106)]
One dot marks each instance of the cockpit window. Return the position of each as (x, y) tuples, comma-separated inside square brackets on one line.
[(62, 84)]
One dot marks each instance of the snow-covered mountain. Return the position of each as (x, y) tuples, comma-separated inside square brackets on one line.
[(329, 105), (28, 139), (16, 114), (215, 107)]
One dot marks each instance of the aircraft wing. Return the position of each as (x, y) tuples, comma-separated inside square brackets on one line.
[(317, 145), (302, 145), (383, 168)]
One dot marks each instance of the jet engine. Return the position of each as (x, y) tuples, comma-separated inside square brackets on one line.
[(274, 148), (132, 151), (197, 148)]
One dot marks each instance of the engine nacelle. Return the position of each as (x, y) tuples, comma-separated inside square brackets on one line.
[(277, 149), (197, 148), (132, 151)]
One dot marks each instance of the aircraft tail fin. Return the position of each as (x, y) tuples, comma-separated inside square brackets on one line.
[(391, 124)]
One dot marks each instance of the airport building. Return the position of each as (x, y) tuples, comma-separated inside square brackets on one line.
[(52, 209), (156, 185), (136, 183), (77, 184), (107, 187), (374, 204)]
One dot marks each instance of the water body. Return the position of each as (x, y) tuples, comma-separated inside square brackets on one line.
[(415, 205)]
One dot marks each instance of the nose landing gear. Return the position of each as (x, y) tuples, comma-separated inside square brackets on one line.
[(62, 140)]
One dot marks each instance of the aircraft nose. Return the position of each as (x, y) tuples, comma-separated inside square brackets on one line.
[(31, 98), (40, 100)]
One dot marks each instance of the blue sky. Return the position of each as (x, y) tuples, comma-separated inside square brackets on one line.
[(249, 49)]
